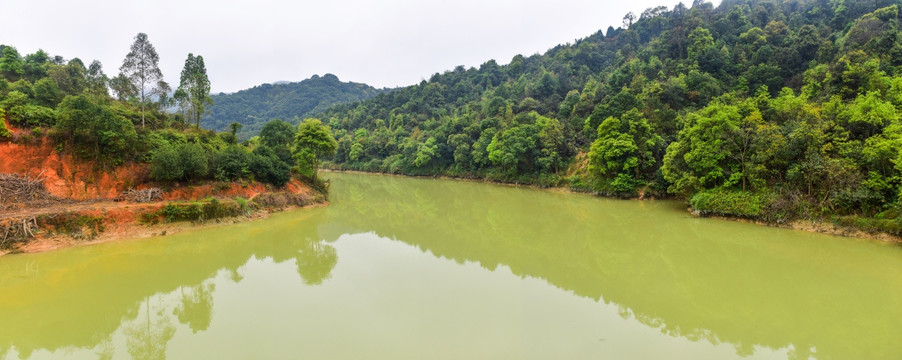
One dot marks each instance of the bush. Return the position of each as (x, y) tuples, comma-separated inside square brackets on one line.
[(193, 161), (197, 211), (268, 168), (4, 132), (233, 163), (728, 202), (165, 165), (90, 126), (32, 115)]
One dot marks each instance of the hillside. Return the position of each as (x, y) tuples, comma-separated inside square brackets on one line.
[(65, 140), (772, 110), (284, 100)]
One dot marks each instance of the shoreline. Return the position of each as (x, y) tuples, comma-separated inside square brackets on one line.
[(122, 224), (820, 227), (131, 229)]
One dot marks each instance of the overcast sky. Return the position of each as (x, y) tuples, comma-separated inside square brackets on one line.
[(384, 43)]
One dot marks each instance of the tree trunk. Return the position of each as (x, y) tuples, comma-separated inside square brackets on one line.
[(315, 170), (143, 103)]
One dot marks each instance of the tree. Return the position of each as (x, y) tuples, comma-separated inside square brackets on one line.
[(279, 136), (313, 141), (193, 93), (11, 63), (628, 20), (515, 149), (623, 154), (123, 87), (96, 79), (141, 67), (36, 65)]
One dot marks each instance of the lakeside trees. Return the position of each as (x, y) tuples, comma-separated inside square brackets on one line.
[(312, 142), (71, 105), (792, 106)]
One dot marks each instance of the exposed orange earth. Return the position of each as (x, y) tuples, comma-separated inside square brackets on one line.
[(92, 190)]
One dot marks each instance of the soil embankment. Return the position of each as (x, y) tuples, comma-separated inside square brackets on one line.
[(79, 201)]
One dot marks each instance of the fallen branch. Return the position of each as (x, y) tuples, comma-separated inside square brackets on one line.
[(19, 190), (141, 196)]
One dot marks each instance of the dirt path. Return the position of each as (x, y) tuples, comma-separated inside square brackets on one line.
[(75, 207)]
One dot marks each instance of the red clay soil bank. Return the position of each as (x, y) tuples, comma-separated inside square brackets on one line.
[(230, 190), (66, 176)]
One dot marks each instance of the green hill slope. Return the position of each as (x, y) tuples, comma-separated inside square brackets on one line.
[(764, 109), (288, 101)]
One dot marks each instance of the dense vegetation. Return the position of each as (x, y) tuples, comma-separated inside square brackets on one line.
[(71, 104), (767, 109), (289, 101)]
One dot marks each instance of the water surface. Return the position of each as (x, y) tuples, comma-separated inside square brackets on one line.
[(399, 268)]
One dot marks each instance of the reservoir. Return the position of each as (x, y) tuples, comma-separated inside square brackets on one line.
[(404, 268)]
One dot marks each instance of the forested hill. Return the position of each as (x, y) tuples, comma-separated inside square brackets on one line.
[(287, 101), (765, 109)]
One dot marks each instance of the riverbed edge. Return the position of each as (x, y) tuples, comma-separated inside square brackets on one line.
[(821, 227), (136, 230)]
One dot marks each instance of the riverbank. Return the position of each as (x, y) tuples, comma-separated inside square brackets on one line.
[(117, 224), (51, 199), (45, 229), (822, 227)]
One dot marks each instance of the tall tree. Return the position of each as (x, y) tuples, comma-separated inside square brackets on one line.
[(313, 141), (193, 93), (96, 79), (141, 67)]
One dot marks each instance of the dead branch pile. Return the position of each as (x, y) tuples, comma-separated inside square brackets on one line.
[(17, 190), (141, 196), (16, 230)]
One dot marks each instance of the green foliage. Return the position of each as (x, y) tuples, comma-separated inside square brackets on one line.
[(798, 102), (165, 165), (94, 130), (233, 163), (11, 63), (268, 168), (624, 153), (141, 69), (731, 203), (312, 142), (193, 93), (4, 131), (85, 120), (47, 93), (193, 161), (197, 211)]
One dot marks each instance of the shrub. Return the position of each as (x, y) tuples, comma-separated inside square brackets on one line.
[(197, 211), (233, 163), (729, 202), (4, 132), (193, 161), (165, 165), (89, 125), (268, 168)]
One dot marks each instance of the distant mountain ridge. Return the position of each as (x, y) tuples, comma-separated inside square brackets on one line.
[(289, 101)]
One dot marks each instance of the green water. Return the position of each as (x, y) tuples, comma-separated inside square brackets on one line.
[(399, 268)]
